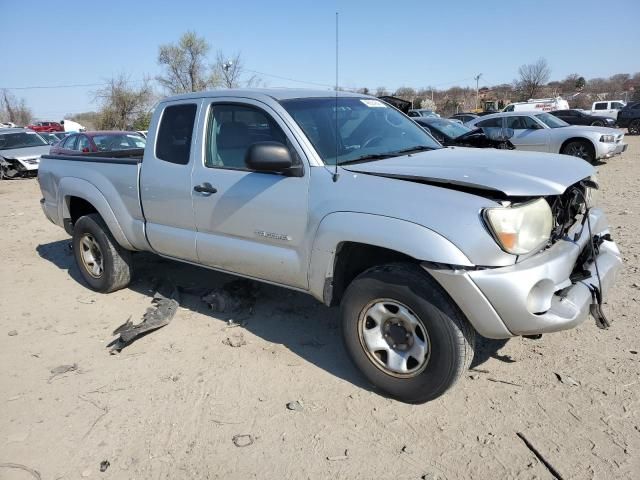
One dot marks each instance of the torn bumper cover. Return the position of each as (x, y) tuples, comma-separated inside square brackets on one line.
[(541, 293)]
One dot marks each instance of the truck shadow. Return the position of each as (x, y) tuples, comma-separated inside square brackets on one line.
[(294, 320)]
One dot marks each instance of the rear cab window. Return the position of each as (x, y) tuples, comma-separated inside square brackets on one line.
[(173, 142)]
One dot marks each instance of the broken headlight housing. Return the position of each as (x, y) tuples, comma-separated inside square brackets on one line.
[(520, 229)]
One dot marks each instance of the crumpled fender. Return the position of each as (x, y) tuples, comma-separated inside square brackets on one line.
[(406, 237)]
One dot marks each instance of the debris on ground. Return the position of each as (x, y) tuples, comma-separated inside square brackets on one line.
[(339, 457), (296, 406), (164, 306), (567, 380), (61, 370), (235, 340), (233, 297), (104, 465), (12, 333), (243, 440), (554, 473), (18, 466)]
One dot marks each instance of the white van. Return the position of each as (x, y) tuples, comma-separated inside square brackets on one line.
[(539, 104)]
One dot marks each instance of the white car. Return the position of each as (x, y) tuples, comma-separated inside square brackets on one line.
[(543, 132)]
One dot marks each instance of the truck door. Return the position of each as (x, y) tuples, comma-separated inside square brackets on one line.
[(250, 223), (165, 182), (528, 134)]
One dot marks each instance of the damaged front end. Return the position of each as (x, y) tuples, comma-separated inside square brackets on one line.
[(554, 288), (18, 167)]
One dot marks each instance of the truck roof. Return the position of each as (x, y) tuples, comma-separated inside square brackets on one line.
[(257, 93)]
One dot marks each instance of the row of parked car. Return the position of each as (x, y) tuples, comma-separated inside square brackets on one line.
[(569, 131), (21, 148)]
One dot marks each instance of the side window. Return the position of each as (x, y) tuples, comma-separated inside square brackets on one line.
[(233, 129), (509, 108), (83, 143), (70, 142), (174, 135), (616, 105), (601, 106), (521, 123), (490, 122)]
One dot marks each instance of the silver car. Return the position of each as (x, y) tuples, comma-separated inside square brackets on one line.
[(20, 152), (543, 132)]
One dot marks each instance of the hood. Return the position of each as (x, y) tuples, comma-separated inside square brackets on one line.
[(511, 173), (601, 130), (25, 153)]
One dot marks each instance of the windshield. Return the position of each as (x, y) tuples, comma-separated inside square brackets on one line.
[(21, 140), (449, 128), (367, 128), (551, 121)]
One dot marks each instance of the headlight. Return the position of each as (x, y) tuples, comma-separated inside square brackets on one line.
[(607, 139), (522, 228)]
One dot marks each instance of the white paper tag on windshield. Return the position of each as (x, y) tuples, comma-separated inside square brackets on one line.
[(373, 103)]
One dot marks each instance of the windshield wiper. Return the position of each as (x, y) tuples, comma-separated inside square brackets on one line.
[(367, 158), (415, 148)]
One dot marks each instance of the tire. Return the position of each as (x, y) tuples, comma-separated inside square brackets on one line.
[(581, 149), (634, 127), (105, 266), (400, 289), (597, 123)]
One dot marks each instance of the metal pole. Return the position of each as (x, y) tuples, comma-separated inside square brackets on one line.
[(477, 79)]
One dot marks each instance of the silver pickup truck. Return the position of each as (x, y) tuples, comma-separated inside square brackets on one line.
[(423, 247)]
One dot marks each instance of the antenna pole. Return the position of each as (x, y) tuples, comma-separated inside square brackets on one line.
[(335, 171)]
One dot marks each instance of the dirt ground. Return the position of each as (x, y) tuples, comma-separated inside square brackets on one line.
[(169, 405)]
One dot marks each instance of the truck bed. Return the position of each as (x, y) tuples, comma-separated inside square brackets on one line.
[(109, 179)]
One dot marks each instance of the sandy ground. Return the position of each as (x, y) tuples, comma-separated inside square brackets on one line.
[(169, 405)]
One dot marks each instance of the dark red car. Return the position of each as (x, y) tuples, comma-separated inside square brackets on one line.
[(93, 142), (46, 127)]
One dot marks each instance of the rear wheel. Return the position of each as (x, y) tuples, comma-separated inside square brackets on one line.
[(404, 333), (581, 149), (103, 263), (634, 127)]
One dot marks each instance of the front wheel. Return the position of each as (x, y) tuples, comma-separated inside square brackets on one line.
[(581, 149), (103, 263), (597, 123), (404, 333), (634, 127)]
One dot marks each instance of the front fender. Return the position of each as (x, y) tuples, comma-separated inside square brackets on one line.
[(400, 235), (76, 187)]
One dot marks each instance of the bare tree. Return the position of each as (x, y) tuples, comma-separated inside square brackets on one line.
[(533, 77), (122, 104), (185, 65), (231, 70), (382, 92), (14, 110)]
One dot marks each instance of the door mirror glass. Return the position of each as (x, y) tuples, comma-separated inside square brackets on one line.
[(268, 157)]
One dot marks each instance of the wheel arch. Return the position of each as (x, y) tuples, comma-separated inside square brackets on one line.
[(79, 197), (594, 147), (347, 243)]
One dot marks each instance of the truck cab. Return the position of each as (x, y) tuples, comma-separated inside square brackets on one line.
[(608, 108)]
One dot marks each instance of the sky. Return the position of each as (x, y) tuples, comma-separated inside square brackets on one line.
[(416, 43)]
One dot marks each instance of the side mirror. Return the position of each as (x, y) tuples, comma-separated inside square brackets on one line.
[(85, 150), (271, 157)]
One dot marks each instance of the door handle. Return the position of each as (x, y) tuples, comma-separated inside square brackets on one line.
[(206, 189)]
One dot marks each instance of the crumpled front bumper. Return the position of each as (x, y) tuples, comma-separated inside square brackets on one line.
[(535, 295)]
